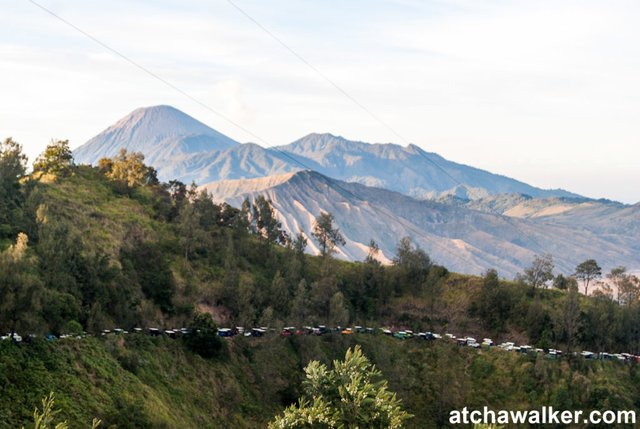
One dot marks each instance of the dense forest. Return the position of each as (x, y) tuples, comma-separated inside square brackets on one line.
[(84, 249)]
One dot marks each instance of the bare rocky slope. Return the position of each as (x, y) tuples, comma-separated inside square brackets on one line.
[(467, 241)]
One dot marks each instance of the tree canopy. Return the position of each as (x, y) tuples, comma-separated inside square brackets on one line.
[(587, 271), (351, 395), (540, 272), (326, 234), (128, 168), (57, 159), (12, 167)]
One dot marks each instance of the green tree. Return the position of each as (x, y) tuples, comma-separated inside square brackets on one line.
[(322, 291), (569, 318), (19, 287), (338, 312), (624, 285), (128, 168), (327, 236), (411, 266), (190, 232), (57, 159), (540, 272), (245, 298), (203, 336), (296, 260), (351, 395), (372, 254), (494, 302), (13, 162), (266, 224), (299, 243), (12, 167), (300, 305), (628, 290), (564, 283), (587, 271), (152, 272), (279, 294), (411, 257)]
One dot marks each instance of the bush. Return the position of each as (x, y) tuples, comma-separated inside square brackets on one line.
[(203, 338)]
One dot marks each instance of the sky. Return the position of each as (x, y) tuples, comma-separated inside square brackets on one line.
[(543, 91)]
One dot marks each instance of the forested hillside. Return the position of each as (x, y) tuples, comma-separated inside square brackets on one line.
[(94, 248)]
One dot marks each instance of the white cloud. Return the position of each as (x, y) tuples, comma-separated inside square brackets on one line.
[(543, 91)]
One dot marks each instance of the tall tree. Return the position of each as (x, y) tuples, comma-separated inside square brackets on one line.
[(494, 302), (57, 159), (570, 318), (540, 272), (338, 312), (351, 395), (279, 294), (411, 257), (587, 271), (300, 305), (12, 167), (267, 224), (617, 277), (19, 287), (13, 162), (412, 265), (189, 229), (327, 236), (296, 264), (372, 254)]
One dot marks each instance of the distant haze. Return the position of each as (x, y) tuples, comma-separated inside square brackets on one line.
[(545, 92)]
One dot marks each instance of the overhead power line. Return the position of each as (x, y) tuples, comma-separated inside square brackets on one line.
[(316, 70), (146, 70), (174, 87), (340, 89)]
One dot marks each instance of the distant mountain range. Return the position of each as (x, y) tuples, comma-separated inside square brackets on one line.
[(466, 218), (180, 147)]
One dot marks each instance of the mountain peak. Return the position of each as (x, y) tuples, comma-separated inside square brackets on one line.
[(159, 132)]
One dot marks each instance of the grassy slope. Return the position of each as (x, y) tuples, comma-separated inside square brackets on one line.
[(89, 203), (256, 378)]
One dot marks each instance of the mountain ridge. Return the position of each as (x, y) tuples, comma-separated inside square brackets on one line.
[(466, 240), (182, 148), (407, 169)]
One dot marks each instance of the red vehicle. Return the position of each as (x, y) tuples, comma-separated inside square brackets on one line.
[(288, 331)]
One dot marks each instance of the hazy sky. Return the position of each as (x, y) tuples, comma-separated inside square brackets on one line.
[(547, 92)]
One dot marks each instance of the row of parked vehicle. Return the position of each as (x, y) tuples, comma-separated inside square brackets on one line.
[(486, 343)]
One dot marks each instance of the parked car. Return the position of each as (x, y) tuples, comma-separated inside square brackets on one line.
[(288, 331), (401, 335), (257, 332), (587, 355), (225, 332)]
